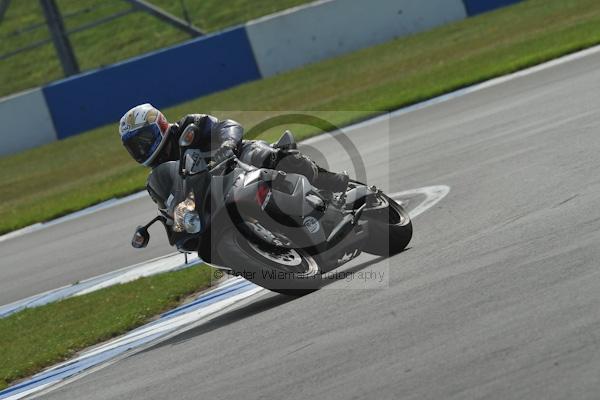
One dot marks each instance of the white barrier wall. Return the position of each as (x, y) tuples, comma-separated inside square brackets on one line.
[(329, 28), (26, 122)]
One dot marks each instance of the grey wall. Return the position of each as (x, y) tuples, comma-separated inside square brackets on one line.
[(26, 122)]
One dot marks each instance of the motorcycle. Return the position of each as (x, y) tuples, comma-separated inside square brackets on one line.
[(268, 226)]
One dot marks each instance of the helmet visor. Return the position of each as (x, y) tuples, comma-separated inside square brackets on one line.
[(143, 142)]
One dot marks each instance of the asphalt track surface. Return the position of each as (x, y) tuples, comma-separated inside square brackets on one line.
[(76, 250), (498, 295)]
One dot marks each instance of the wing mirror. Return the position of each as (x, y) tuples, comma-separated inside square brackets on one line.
[(185, 140), (141, 237)]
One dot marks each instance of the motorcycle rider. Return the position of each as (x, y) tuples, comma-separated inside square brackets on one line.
[(151, 140)]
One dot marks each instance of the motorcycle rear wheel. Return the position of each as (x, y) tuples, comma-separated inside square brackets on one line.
[(390, 229), (286, 271)]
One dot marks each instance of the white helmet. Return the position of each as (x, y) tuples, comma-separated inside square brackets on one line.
[(144, 131)]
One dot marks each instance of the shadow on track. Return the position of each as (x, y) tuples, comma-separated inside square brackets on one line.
[(272, 300), (353, 269), (230, 317)]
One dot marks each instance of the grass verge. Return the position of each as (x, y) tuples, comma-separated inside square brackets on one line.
[(92, 167), (36, 338)]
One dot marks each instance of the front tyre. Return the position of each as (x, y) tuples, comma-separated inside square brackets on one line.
[(287, 271), (390, 228)]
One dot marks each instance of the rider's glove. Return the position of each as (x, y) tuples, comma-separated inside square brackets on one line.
[(225, 152)]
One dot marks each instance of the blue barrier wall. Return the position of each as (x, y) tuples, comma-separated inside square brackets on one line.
[(164, 78), (475, 7)]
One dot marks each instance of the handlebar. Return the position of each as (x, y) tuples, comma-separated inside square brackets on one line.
[(213, 166)]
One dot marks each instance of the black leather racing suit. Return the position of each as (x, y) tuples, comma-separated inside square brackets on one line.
[(216, 136), (212, 135)]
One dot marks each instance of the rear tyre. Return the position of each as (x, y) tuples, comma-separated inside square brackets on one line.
[(390, 229), (287, 271)]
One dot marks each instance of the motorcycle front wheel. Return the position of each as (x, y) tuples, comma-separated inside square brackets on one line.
[(282, 270)]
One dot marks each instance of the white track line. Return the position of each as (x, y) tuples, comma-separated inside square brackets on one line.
[(78, 214), (433, 195), (465, 91), (182, 318), (170, 262)]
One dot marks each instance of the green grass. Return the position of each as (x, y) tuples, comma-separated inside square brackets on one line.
[(214, 15), (138, 33), (36, 338), (82, 170)]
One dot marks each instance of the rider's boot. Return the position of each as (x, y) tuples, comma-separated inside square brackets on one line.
[(297, 162), (290, 160), (335, 182)]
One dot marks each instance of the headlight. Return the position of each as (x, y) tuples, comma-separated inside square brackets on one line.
[(191, 222), (186, 218)]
